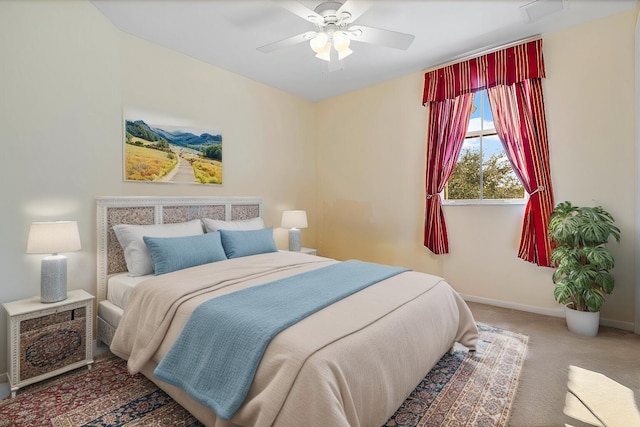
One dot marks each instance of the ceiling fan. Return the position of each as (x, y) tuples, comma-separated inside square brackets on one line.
[(334, 28)]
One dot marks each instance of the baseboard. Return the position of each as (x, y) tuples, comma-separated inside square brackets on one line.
[(555, 312), (627, 326)]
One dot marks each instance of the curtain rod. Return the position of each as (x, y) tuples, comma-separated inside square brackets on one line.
[(484, 52)]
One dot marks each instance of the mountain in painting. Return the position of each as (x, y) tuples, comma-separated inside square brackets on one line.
[(140, 129), (188, 139)]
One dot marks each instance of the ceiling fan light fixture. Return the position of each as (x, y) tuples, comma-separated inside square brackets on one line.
[(319, 42), (344, 53), (341, 41), (325, 55), (334, 29)]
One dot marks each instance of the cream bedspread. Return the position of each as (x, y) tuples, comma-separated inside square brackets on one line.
[(350, 364)]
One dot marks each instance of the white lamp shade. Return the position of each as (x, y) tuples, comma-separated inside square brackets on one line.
[(53, 237), (319, 42), (325, 56), (294, 219), (344, 53), (340, 41)]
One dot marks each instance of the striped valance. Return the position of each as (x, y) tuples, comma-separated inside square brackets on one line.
[(504, 67)]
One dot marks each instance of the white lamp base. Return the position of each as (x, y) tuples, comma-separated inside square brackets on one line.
[(295, 242), (53, 279)]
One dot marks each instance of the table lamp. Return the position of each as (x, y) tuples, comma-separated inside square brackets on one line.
[(53, 238), (294, 221)]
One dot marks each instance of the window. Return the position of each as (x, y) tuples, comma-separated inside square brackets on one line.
[(483, 173)]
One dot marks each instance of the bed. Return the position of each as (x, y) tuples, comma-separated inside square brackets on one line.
[(351, 363)]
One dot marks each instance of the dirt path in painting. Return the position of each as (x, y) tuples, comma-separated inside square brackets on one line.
[(182, 172)]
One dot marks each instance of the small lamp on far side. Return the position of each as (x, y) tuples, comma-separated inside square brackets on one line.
[(53, 238), (294, 221)]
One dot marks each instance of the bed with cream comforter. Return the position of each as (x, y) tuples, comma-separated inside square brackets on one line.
[(350, 364)]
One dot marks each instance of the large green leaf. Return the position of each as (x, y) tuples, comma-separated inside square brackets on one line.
[(599, 256), (593, 299), (562, 293), (606, 282), (592, 230)]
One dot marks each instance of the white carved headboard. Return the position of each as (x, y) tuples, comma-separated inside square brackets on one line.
[(157, 210)]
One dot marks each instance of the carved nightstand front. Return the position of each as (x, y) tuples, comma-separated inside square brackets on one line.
[(48, 339)]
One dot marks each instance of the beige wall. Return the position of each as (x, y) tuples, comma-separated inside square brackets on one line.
[(371, 173), (66, 75)]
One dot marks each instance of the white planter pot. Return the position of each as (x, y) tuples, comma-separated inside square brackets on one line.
[(582, 322)]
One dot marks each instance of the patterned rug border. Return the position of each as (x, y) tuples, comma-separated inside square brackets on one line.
[(450, 393), (462, 389), (93, 398)]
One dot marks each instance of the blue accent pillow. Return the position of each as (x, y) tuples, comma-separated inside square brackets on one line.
[(175, 253), (238, 243)]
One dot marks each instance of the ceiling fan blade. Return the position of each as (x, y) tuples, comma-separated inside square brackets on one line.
[(379, 36), (290, 41), (355, 8), (301, 10)]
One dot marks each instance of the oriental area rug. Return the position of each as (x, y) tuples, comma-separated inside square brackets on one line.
[(463, 389)]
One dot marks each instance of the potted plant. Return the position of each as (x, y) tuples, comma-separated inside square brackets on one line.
[(582, 261)]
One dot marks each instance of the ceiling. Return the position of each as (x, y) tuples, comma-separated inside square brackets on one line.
[(227, 33)]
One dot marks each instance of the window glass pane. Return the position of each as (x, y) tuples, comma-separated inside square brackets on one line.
[(486, 110), (491, 146), (476, 114), (498, 179), (464, 183)]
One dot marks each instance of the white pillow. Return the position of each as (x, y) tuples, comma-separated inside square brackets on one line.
[(136, 253), (240, 225)]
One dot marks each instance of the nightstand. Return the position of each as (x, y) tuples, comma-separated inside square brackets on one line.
[(309, 251), (48, 339)]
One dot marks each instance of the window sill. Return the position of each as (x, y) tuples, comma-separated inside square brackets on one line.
[(491, 202)]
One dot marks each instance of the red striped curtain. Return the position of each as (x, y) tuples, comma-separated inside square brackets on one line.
[(448, 122), (504, 67), (513, 79), (518, 114)]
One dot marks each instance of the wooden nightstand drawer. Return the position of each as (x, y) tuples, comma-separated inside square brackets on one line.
[(48, 339)]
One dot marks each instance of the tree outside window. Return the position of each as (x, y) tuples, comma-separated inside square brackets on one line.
[(482, 171)]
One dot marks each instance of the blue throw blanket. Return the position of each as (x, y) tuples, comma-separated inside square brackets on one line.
[(218, 352)]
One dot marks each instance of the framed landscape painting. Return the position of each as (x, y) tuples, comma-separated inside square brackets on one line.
[(159, 147)]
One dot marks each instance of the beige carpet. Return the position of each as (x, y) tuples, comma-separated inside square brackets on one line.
[(603, 373)]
